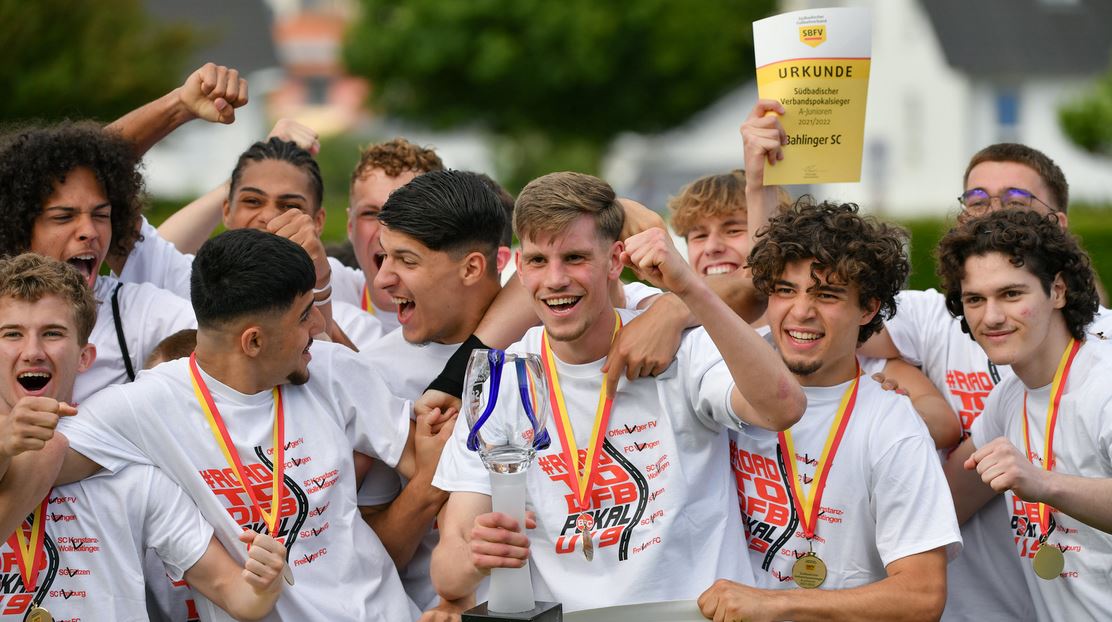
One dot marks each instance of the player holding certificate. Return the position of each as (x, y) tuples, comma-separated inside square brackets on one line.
[(847, 512)]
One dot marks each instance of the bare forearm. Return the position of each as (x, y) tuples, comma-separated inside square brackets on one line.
[(28, 479), (145, 126), (775, 398), (941, 421), (407, 519), (761, 203), (893, 598), (739, 295), (970, 494), (189, 227), (1083, 498), (453, 574)]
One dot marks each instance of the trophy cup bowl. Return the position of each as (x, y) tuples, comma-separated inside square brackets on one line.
[(506, 407)]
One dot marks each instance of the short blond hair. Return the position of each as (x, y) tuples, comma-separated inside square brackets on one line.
[(30, 277), (548, 205), (714, 196)]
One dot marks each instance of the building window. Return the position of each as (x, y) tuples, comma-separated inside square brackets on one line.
[(1007, 115)]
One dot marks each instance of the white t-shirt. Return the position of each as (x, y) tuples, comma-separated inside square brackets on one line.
[(362, 328), (148, 315), (96, 533), (636, 291), (666, 520), (407, 369), (1083, 447), (984, 584), (158, 262), (347, 287), (341, 568), (885, 497)]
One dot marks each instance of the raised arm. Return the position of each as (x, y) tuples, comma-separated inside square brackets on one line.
[(763, 138), (915, 589), (454, 571), (212, 93), (765, 393)]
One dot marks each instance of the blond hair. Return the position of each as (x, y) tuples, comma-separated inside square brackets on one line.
[(548, 205), (30, 277)]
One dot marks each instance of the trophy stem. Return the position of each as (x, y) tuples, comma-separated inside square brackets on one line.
[(511, 589)]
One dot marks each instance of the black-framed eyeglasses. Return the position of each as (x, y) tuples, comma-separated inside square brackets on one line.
[(978, 200)]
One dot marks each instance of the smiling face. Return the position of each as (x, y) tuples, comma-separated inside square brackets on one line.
[(267, 188), (719, 244), (427, 287), (1010, 314), (368, 195), (39, 348), (287, 337), (816, 325), (568, 277), (75, 225)]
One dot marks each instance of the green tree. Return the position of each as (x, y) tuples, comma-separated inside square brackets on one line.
[(552, 81), (1087, 120), (86, 59)]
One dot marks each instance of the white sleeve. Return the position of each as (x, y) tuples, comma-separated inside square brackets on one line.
[(347, 283), (362, 328), (381, 485), (105, 430), (707, 381), (991, 422), (637, 291), (920, 318), (375, 420), (158, 262), (914, 509), (151, 314), (460, 469), (174, 527)]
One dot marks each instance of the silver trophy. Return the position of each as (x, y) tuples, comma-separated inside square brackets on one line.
[(505, 403)]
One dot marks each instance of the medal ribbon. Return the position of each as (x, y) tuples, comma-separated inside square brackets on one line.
[(582, 481), (1057, 389), (30, 548), (807, 506), (367, 306), (227, 447)]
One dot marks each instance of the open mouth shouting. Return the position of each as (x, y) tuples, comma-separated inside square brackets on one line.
[(405, 308), (720, 268), (562, 305), (85, 264), (34, 382)]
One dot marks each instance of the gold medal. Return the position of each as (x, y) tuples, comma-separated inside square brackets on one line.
[(1049, 561), (588, 547), (39, 614), (809, 571)]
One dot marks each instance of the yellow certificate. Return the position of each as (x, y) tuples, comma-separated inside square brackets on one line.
[(816, 63)]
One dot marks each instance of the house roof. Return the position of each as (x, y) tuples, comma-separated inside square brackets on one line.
[(236, 33), (1023, 37)]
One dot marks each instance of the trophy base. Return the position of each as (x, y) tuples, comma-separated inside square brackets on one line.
[(542, 612)]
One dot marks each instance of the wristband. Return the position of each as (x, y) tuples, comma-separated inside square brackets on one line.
[(322, 301), (451, 378)]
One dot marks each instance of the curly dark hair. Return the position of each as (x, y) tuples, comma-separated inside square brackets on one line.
[(33, 160), (1029, 240), (852, 249)]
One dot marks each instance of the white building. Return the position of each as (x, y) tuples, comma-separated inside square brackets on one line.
[(947, 78)]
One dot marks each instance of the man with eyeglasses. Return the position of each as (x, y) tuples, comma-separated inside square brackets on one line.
[(985, 583)]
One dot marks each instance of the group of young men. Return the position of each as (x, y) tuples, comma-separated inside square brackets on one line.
[(241, 426)]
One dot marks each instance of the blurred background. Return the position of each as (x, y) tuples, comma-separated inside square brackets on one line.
[(648, 94)]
